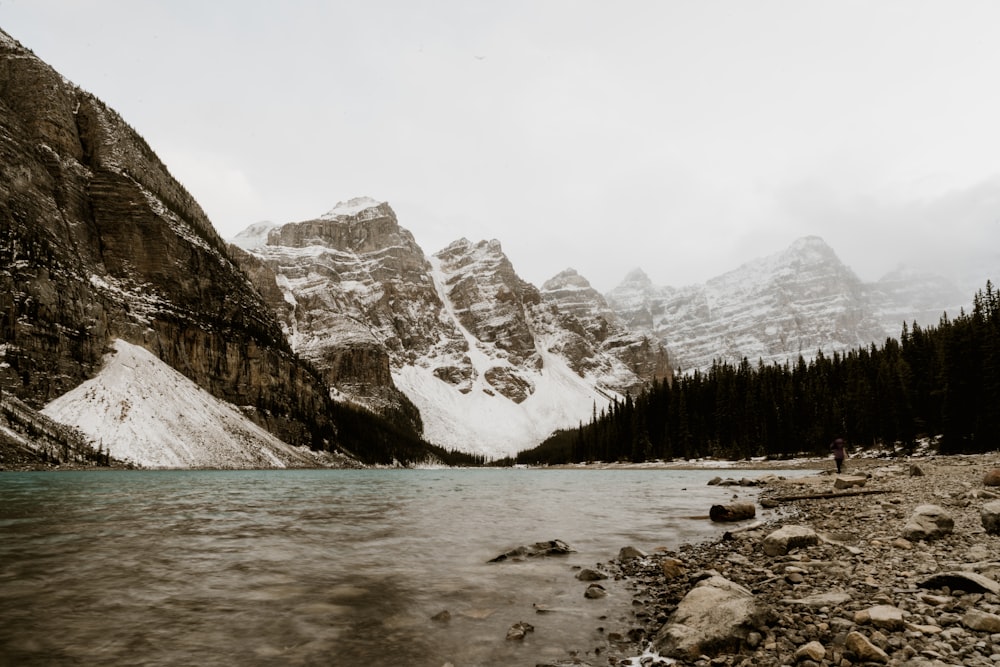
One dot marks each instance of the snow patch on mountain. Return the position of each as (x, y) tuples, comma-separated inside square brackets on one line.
[(350, 207), (253, 236), (143, 411)]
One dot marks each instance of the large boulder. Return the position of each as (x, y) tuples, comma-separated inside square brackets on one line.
[(786, 538), (928, 522), (732, 512), (990, 514), (714, 617)]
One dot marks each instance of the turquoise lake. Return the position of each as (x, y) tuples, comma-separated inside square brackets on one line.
[(325, 567)]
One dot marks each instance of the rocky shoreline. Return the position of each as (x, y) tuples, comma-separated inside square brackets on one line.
[(855, 583)]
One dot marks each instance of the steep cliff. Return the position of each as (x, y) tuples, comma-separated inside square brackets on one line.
[(100, 243)]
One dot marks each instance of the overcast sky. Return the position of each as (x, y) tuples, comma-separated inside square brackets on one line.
[(681, 137)]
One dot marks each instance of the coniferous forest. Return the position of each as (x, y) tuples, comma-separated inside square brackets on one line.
[(935, 382)]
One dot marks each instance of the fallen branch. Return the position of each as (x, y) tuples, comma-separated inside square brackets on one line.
[(828, 494)]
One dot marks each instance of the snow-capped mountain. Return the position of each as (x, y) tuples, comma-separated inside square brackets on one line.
[(100, 243), (491, 365), (776, 308)]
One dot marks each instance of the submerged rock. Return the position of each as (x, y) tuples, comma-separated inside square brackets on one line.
[(550, 548)]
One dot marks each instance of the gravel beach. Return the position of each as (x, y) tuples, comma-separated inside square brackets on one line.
[(889, 565)]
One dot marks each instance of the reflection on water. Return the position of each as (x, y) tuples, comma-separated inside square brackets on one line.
[(320, 567)]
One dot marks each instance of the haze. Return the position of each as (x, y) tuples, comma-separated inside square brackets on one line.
[(682, 137)]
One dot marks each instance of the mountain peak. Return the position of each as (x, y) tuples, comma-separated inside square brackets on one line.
[(637, 277), (351, 207), (566, 278)]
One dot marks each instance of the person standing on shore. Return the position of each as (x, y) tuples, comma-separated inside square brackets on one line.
[(839, 449)]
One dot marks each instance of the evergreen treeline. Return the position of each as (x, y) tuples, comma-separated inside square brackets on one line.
[(939, 381), (375, 440)]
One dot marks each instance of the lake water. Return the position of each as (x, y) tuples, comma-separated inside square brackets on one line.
[(324, 567)]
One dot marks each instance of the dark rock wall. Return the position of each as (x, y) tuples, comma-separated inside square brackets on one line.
[(99, 241)]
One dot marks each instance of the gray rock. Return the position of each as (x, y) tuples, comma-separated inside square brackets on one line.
[(595, 592), (928, 522), (981, 621), (629, 553), (715, 616), (990, 514), (864, 649), (519, 630), (550, 548), (786, 538), (587, 574), (849, 481), (814, 651), (882, 616)]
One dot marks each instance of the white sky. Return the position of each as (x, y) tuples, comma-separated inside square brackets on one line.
[(681, 137)]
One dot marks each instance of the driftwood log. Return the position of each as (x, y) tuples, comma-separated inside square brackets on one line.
[(732, 512)]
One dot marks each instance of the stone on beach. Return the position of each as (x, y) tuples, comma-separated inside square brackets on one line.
[(860, 645), (981, 621), (732, 512), (628, 553), (715, 616), (849, 481), (928, 522), (814, 651), (992, 478), (786, 538), (883, 616), (990, 514)]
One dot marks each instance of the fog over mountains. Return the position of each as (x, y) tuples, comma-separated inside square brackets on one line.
[(113, 282)]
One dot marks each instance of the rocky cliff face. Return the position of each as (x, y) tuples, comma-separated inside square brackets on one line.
[(459, 335), (792, 303), (596, 335), (100, 242)]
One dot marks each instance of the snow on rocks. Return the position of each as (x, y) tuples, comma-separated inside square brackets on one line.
[(144, 412)]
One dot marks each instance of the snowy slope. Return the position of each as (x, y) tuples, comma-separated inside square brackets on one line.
[(483, 421), (253, 236), (144, 412)]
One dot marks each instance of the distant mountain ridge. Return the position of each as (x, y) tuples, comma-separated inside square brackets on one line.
[(775, 308)]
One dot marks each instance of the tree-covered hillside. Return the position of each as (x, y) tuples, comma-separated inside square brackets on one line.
[(936, 381)]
